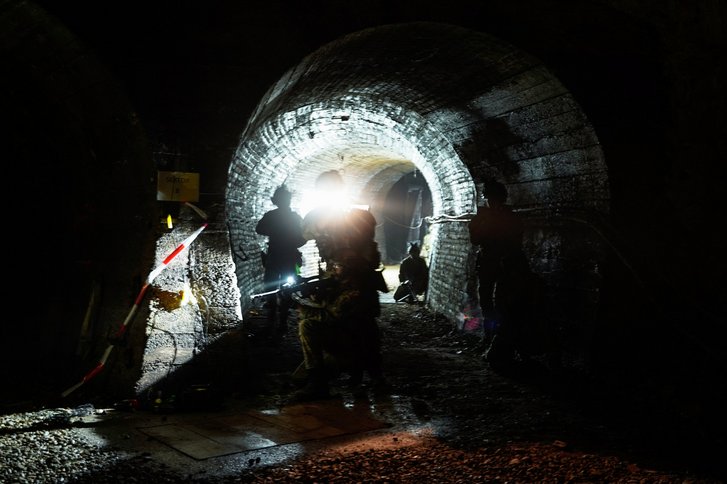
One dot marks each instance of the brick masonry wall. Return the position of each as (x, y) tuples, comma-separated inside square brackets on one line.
[(477, 108)]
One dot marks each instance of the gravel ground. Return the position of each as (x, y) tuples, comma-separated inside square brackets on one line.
[(484, 427)]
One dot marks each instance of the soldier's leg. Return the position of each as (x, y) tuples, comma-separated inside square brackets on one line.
[(371, 358), (312, 334)]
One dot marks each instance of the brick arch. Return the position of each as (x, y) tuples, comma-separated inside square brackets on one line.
[(371, 149), (458, 105)]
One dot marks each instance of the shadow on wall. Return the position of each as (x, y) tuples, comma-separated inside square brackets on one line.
[(408, 204)]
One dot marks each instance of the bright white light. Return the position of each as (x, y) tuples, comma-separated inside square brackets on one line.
[(312, 198)]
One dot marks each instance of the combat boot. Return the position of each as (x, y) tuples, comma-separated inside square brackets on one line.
[(316, 387)]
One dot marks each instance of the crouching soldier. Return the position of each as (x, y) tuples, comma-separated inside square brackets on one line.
[(338, 329)]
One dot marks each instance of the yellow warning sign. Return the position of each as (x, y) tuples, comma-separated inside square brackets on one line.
[(177, 186)]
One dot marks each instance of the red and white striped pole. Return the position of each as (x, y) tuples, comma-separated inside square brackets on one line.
[(137, 302)]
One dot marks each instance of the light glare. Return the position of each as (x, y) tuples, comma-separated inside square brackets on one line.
[(311, 199)]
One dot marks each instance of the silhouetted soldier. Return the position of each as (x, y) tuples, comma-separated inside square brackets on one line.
[(347, 233), (334, 225), (505, 279), (283, 227), (338, 330), (413, 276)]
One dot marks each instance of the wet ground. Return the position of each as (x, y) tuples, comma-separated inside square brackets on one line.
[(444, 416)]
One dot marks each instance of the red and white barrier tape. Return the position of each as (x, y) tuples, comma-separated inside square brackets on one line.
[(137, 302)]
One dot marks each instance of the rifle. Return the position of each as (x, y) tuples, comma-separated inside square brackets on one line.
[(301, 287)]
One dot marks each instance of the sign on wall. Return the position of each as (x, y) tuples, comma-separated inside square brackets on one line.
[(177, 186)]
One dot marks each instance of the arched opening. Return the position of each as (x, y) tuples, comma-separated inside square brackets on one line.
[(405, 221), (405, 217), (453, 105), (369, 106)]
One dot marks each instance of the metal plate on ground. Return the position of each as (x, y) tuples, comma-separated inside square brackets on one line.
[(213, 436)]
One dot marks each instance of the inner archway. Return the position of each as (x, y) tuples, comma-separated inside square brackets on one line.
[(455, 105)]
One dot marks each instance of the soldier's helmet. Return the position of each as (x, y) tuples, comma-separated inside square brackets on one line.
[(281, 196), (494, 190), (330, 180)]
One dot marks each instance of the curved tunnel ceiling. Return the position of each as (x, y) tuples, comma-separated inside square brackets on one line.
[(457, 105)]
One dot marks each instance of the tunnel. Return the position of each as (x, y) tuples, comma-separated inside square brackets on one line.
[(477, 108), (450, 104)]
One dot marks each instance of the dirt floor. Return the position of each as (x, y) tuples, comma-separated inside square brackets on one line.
[(531, 425), (529, 417)]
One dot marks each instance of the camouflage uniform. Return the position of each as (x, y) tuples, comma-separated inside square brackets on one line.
[(338, 331), (344, 326)]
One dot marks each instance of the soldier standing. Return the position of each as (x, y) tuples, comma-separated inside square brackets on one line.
[(345, 240), (283, 227)]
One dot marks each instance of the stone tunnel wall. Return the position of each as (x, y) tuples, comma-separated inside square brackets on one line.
[(193, 302), (462, 107)]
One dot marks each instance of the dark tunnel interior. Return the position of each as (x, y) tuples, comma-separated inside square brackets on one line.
[(408, 203), (604, 118)]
